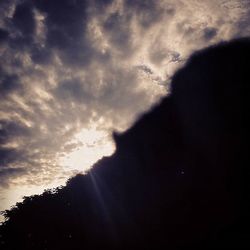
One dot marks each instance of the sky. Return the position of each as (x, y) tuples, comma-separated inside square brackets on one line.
[(74, 71)]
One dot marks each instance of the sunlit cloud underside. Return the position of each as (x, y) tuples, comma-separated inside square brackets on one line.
[(93, 145)]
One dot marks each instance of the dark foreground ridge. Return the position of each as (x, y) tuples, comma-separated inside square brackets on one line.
[(179, 176)]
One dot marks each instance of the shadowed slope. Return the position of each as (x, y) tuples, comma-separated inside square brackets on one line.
[(179, 176)]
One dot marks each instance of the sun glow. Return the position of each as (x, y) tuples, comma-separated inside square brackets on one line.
[(91, 145)]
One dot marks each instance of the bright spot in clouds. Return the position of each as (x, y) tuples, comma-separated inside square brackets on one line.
[(92, 146)]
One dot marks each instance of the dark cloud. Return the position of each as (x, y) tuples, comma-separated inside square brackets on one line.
[(145, 69), (22, 26), (175, 56), (9, 83), (209, 33), (9, 156), (69, 17), (41, 55), (141, 5), (66, 23), (23, 19), (4, 173), (8, 130), (7, 174), (243, 26), (3, 35)]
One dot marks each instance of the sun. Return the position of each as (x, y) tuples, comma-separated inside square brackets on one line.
[(92, 146)]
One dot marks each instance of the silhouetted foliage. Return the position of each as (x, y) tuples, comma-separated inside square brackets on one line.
[(179, 176)]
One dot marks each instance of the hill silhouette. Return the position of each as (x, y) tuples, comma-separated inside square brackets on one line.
[(179, 176)]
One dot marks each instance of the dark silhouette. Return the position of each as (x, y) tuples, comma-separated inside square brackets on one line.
[(179, 176)]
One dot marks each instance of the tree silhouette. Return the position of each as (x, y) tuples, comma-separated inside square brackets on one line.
[(179, 176)]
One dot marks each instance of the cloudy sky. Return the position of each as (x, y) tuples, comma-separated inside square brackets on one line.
[(73, 71)]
